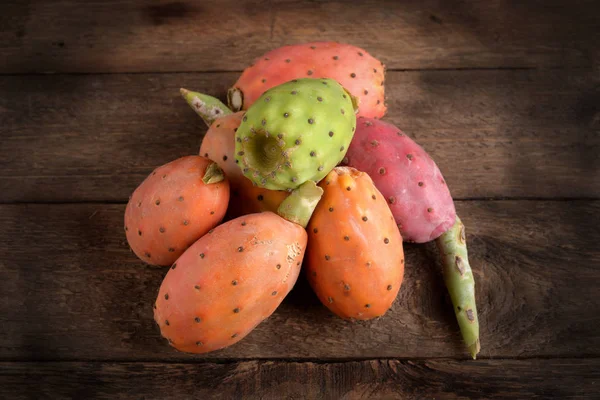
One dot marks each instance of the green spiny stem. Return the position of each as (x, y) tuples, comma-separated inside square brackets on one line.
[(458, 277), (207, 107), (299, 206), (213, 174)]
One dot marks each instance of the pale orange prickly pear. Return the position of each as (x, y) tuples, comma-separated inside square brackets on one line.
[(234, 277), (219, 145), (355, 258), (174, 206)]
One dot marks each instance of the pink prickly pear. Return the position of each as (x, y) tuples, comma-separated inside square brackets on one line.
[(355, 69), (406, 175), (174, 206), (234, 277)]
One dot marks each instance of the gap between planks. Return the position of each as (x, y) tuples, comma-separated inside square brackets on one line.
[(461, 199), (223, 71), (297, 360)]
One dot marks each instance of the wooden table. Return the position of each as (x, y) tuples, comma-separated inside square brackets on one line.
[(504, 95)]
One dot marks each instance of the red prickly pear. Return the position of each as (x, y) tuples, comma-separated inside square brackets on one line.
[(355, 69), (407, 176), (234, 277), (174, 206), (355, 258), (219, 145)]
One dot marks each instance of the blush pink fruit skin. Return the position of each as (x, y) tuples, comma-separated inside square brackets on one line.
[(355, 69), (218, 144), (172, 208), (229, 281), (407, 176)]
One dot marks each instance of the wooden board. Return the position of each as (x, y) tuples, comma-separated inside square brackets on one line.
[(504, 95), (72, 291), (370, 379), (533, 134), (172, 35)]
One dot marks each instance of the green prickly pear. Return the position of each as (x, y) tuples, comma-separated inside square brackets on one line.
[(296, 132)]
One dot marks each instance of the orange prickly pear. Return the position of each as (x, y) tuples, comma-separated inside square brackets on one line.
[(252, 199), (218, 144), (355, 258), (235, 276), (174, 206)]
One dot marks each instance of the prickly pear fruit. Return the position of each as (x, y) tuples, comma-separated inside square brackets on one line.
[(355, 258), (253, 199), (174, 206), (234, 277), (407, 176), (295, 132), (219, 145), (355, 69)]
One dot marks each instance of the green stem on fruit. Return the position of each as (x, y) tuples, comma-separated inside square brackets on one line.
[(300, 204), (458, 277), (213, 174), (207, 107)]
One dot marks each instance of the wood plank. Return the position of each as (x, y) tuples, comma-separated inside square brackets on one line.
[(71, 290), (493, 133), (370, 379), (185, 35)]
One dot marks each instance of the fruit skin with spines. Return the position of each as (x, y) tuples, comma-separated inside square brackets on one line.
[(355, 257), (218, 144), (354, 68), (406, 175), (235, 276), (173, 207), (295, 132), (460, 282)]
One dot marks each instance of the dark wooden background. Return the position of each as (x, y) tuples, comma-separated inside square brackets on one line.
[(505, 95)]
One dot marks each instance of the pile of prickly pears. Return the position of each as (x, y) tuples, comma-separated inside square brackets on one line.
[(298, 173)]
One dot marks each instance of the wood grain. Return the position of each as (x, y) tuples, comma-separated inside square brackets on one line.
[(493, 133), (184, 35), (370, 379), (70, 290)]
